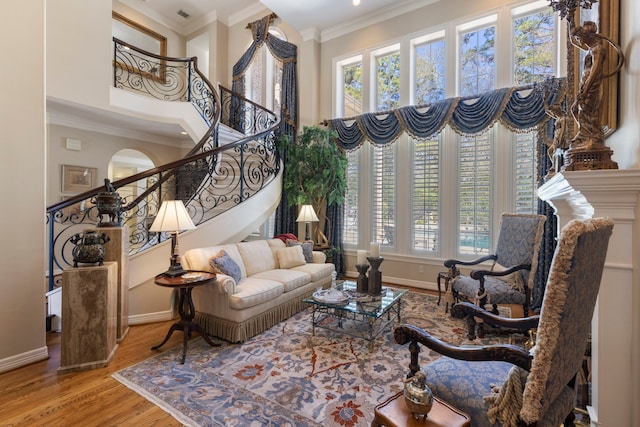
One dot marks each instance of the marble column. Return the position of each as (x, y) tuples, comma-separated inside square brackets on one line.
[(117, 249), (616, 320), (89, 311)]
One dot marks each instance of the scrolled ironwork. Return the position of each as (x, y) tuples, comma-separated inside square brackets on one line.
[(210, 179)]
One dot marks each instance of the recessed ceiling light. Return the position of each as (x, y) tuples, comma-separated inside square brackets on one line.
[(356, 2)]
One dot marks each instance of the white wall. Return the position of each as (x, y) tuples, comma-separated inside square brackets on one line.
[(22, 173)]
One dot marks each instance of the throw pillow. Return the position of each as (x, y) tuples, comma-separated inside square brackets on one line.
[(290, 257), (222, 263), (514, 280), (307, 249), (285, 237)]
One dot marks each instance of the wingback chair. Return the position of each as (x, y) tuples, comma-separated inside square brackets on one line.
[(509, 385), (511, 277)]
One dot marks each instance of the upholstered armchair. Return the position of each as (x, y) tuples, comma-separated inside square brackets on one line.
[(515, 261), (509, 385)]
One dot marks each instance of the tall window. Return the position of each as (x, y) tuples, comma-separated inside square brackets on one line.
[(534, 59), (429, 71), (350, 104), (383, 161), (477, 74), (445, 192)]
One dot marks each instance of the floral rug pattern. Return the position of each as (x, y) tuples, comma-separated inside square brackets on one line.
[(287, 377)]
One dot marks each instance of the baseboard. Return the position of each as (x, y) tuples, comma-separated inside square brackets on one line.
[(161, 316), (400, 281), (20, 360)]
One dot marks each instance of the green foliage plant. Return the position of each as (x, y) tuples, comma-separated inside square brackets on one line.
[(314, 173)]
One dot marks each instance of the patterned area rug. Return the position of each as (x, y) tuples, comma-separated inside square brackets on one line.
[(286, 376)]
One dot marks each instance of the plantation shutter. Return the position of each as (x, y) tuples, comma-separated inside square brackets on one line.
[(383, 195), (426, 195)]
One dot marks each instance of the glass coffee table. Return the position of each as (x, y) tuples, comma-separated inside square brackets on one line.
[(375, 313)]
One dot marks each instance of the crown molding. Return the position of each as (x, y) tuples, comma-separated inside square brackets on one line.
[(374, 18)]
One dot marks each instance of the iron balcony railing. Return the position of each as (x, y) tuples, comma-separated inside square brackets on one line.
[(210, 179)]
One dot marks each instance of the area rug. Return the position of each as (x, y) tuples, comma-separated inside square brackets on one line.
[(287, 377)]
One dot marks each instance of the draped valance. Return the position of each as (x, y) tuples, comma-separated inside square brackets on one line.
[(520, 109)]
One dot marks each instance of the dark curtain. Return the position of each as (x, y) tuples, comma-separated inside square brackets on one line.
[(335, 216), (288, 54)]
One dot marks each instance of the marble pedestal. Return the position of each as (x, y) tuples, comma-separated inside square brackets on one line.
[(117, 249), (89, 311)]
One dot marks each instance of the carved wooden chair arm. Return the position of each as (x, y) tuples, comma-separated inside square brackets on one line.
[(479, 274), (521, 324), (451, 263), (498, 352)]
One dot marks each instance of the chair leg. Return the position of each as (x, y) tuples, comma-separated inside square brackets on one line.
[(471, 328)]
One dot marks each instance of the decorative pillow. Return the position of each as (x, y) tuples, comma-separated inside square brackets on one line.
[(286, 236), (290, 257), (222, 263), (514, 279), (307, 249)]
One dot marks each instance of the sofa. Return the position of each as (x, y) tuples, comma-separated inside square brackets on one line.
[(258, 284)]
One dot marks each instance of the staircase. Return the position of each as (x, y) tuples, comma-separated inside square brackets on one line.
[(230, 181)]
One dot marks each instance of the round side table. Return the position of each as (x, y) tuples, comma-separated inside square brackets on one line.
[(185, 306)]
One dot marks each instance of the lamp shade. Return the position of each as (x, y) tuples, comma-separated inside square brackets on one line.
[(172, 216), (307, 214)]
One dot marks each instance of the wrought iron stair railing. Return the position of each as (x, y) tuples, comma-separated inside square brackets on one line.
[(210, 179)]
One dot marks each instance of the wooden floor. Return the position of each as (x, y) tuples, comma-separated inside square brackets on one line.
[(36, 395)]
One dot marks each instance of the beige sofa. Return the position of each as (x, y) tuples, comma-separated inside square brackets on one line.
[(265, 294)]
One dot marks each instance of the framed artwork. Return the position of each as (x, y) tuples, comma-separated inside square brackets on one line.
[(77, 209), (78, 179), (606, 15), (128, 31)]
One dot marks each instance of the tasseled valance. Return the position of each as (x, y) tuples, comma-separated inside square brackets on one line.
[(520, 109)]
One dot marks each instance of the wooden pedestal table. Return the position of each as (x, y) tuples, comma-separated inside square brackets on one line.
[(185, 284), (394, 413)]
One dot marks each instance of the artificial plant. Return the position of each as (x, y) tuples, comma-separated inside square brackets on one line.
[(314, 173)]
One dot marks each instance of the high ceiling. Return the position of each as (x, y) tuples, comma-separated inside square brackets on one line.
[(312, 18), (303, 15)]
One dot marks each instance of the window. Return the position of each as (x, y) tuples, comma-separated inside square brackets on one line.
[(425, 201), (350, 104), (477, 73), (383, 206), (475, 193), (429, 55), (443, 195), (387, 63)]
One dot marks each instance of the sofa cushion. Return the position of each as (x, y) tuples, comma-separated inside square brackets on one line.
[(317, 271), (290, 257), (200, 258), (307, 248), (291, 279), (257, 256), (222, 263), (253, 291)]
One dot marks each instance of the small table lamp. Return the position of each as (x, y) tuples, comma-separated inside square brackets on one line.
[(307, 215), (173, 217)]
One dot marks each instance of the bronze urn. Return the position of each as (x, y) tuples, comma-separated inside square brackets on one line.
[(89, 247)]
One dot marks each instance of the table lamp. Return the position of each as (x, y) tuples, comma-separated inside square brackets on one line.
[(173, 217), (307, 215)]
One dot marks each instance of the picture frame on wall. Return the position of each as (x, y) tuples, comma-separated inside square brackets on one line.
[(78, 179)]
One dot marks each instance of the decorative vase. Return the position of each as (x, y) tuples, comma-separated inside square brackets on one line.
[(89, 247), (109, 203), (418, 395)]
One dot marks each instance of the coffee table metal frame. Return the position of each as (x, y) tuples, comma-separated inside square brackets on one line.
[(370, 310)]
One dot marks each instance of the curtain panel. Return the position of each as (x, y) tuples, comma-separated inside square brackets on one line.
[(287, 53)]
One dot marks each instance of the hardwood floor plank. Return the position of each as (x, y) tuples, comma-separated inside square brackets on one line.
[(37, 395)]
